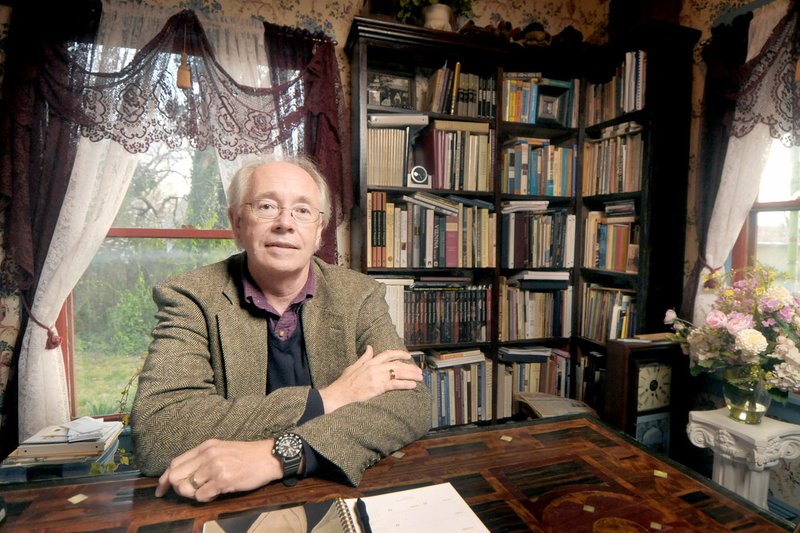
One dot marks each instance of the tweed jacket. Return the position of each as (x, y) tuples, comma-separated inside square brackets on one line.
[(206, 372)]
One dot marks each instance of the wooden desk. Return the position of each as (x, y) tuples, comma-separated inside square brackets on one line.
[(563, 474)]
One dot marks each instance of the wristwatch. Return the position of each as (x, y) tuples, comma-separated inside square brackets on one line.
[(289, 451)]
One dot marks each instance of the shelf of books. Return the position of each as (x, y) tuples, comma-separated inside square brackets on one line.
[(538, 173)]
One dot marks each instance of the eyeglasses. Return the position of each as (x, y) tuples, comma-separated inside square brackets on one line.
[(270, 210)]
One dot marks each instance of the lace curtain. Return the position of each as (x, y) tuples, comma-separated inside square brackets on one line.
[(120, 106), (766, 110)]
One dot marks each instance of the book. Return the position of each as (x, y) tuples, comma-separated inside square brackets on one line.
[(443, 360), (50, 441), (397, 119), (15, 469), (429, 509), (547, 405)]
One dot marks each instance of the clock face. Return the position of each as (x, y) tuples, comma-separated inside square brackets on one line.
[(419, 175), (653, 389)]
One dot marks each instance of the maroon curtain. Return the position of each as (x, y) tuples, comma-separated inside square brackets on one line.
[(298, 54), (38, 144), (724, 55), (37, 151)]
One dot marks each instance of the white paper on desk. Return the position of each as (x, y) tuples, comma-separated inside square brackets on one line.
[(432, 509)]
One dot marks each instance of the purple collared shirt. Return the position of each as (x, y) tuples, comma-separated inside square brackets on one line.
[(282, 325)]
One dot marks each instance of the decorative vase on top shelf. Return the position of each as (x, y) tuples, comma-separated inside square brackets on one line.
[(746, 393)]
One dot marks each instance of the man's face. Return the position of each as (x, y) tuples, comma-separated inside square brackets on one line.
[(281, 247)]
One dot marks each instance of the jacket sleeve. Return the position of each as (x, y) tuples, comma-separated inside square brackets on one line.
[(357, 435)]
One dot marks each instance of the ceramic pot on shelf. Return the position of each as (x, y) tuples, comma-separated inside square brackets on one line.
[(438, 17)]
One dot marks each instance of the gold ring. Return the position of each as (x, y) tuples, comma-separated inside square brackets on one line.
[(392, 375), (193, 480)]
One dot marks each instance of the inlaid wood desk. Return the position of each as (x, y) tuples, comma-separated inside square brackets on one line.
[(566, 474)]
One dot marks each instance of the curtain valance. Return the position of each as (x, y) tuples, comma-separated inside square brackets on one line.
[(141, 104)]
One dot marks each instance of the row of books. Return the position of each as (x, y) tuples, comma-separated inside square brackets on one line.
[(462, 386), (590, 379), (446, 310), (387, 155), (608, 313), (531, 369), (458, 154), (530, 98), (612, 242), (454, 92), (534, 166), (424, 230), (538, 239), (534, 309), (462, 391), (624, 93), (613, 163)]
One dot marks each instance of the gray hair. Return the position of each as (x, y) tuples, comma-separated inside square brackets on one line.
[(242, 178)]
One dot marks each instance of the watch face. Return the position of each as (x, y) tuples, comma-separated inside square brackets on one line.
[(288, 445), (653, 389)]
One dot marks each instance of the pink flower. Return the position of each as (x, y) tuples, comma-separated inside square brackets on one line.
[(716, 319), (670, 316), (738, 321)]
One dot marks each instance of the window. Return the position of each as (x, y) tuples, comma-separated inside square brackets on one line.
[(771, 232), (173, 219)]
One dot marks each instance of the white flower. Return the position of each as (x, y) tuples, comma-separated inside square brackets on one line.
[(670, 316), (786, 350), (781, 294), (785, 376), (750, 343)]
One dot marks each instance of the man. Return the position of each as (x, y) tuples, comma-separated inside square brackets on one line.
[(273, 346)]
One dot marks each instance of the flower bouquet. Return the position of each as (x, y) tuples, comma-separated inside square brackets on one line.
[(752, 329)]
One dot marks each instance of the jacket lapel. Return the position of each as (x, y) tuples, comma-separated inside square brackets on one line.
[(243, 343), (323, 330)]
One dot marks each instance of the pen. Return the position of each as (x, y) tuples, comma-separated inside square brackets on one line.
[(362, 516)]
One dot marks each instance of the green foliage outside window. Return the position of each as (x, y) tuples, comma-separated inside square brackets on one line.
[(114, 313)]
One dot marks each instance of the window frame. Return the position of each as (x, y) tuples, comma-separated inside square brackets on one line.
[(743, 254), (65, 322)]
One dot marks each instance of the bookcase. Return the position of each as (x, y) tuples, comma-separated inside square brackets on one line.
[(472, 201), (631, 206)]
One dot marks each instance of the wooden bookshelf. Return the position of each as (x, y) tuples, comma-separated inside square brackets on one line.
[(469, 141)]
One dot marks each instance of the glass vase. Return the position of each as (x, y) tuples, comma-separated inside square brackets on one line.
[(746, 393)]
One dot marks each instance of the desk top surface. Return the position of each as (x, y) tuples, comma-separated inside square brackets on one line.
[(566, 474)]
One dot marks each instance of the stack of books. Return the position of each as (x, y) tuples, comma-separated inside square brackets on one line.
[(82, 442)]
